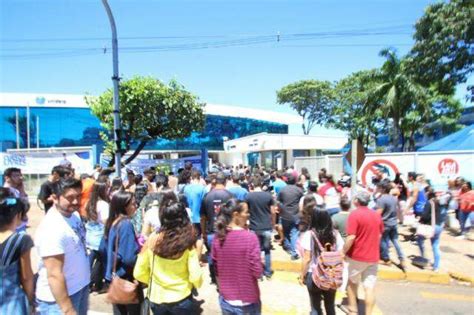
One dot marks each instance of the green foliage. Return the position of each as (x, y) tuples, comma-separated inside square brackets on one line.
[(443, 53), (354, 110), (311, 99), (149, 109)]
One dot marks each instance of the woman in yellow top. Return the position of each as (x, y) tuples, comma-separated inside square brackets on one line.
[(170, 260)]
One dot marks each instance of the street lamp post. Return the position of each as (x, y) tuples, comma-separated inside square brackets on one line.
[(115, 80)]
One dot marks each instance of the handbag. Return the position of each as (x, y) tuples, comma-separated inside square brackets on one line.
[(426, 230), (121, 291)]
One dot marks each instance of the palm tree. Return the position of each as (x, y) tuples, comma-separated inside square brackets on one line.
[(398, 93)]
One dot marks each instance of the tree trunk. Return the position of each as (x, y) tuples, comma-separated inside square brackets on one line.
[(112, 161), (136, 152), (396, 135)]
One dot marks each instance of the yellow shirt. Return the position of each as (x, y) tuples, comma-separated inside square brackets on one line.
[(172, 279)]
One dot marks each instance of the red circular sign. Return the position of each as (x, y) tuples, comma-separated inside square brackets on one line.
[(377, 166), (448, 167)]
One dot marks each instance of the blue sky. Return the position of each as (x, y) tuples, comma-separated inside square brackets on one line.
[(57, 46)]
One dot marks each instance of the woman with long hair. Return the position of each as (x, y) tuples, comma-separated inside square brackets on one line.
[(119, 225), (426, 218), (321, 228), (155, 206), (168, 263), (117, 185), (330, 194), (97, 213), (16, 291), (236, 256)]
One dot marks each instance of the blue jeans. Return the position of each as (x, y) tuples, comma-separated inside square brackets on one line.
[(390, 234), (463, 217), (434, 244), (252, 309), (290, 230), (80, 301), (212, 271), (316, 295), (183, 307), (265, 239)]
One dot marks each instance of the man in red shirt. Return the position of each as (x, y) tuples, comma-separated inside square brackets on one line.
[(362, 250)]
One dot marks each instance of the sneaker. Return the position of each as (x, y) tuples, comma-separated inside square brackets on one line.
[(295, 257), (461, 237), (269, 276)]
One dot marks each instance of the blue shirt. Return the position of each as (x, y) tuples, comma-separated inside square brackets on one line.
[(239, 192), (195, 194), (278, 185), (127, 250)]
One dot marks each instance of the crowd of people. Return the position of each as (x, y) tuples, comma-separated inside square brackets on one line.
[(159, 230)]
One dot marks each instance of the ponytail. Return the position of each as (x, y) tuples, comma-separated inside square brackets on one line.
[(224, 218)]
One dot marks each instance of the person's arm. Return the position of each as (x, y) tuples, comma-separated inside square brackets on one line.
[(255, 261), (26, 276), (57, 283), (305, 261), (413, 198), (128, 247), (141, 271), (146, 229), (348, 244), (195, 271)]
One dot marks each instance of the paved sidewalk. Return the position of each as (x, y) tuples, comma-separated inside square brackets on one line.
[(457, 260)]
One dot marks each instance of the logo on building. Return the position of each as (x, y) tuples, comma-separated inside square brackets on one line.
[(40, 100), (448, 167)]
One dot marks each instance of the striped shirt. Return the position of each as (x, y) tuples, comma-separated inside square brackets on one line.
[(238, 266)]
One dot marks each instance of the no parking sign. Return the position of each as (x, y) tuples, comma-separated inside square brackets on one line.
[(378, 166)]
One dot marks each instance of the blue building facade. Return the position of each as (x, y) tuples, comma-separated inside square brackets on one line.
[(77, 126)]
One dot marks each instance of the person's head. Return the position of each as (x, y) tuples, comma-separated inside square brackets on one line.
[(313, 186), (13, 177), (59, 172), (430, 192), (290, 179), (84, 176), (188, 165), (305, 172), (122, 204), (236, 178), (220, 178), (384, 187), (466, 186), (321, 225), (69, 195), (195, 174), (279, 174), (99, 192), (177, 232), (97, 167), (138, 179), (459, 182), (233, 211), (345, 204), (168, 197), (161, 181), (150, 174), (131, 176), (257, 181), (185, 176), (362, 198), (12, 210), (309, 202), (103, 179), (328, 178), (117, 184), (411, 176)]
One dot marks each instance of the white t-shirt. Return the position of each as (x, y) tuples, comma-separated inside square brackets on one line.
[(58, 235), (317, 197), (102, 211), (152, 218), (306, 243)]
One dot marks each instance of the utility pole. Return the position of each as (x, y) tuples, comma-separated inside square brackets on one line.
[(28, 126), (115, 80), (37, 132), (17, 121), (354, 167)]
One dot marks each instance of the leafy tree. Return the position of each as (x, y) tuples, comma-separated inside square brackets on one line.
[(444, 45), (399, 94), (355, 111), (149, 109), (312, 99)]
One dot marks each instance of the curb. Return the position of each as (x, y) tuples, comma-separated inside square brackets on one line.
[(414, 276), (461, 277)]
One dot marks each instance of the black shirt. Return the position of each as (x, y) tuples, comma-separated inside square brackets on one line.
[(289, 198), (47, 189), (426, 215), (211, 206), (260, 203)]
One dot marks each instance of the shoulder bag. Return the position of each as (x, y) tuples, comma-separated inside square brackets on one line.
[(426, 230), (121, 291)]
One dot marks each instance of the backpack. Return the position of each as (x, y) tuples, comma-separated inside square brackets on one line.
[(327, 272)]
